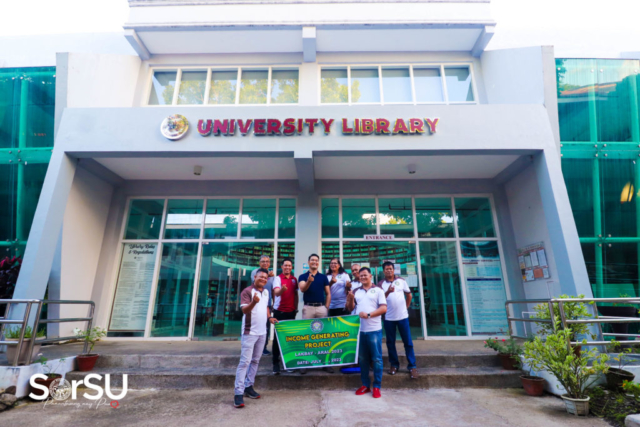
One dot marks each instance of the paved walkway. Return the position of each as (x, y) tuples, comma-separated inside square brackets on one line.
[(434, 407)]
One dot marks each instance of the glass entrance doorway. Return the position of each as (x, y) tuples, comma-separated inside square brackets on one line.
[(437, 244), (185, 261)]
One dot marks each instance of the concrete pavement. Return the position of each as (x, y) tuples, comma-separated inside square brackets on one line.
[(433, 407)]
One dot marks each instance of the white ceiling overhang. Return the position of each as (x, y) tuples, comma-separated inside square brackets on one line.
[(336, 27), (436, 167)]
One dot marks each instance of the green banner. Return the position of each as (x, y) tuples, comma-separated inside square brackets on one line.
[(314, 343)]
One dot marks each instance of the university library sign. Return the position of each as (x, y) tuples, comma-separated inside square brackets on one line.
[(176, 126)]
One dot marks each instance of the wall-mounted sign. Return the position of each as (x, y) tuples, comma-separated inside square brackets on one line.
[(379, 237), (175, 127), (533, 262), (133, 289), (291, 127)]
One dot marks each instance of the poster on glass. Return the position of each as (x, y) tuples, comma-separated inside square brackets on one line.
[(485, 287)]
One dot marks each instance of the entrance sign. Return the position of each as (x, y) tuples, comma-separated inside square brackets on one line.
[(485, 286), (533, 262), (293, 127), (134, 287), (379, 237), (313, 343)]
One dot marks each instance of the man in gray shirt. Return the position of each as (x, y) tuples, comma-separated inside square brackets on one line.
[(265, 262)]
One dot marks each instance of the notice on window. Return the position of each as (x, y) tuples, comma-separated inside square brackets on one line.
[(485, 287), (133, 290), (533, 262)]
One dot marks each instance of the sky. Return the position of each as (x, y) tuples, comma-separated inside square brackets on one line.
[(602, 28)]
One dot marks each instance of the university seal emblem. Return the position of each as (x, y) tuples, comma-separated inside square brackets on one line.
[(174, 127)]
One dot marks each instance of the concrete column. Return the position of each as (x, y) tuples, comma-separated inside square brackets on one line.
[(45, 229), (572, 272), (307, 233)]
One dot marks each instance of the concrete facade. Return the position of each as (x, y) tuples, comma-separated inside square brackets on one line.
[(108, 148)]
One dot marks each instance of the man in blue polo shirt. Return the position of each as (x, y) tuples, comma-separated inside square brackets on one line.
[(316, 294)]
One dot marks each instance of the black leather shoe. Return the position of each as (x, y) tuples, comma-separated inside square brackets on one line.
[(276, 369)]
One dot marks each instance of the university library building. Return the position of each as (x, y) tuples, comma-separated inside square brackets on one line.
[(207, 135)]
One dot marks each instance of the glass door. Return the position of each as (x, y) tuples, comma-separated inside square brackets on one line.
[(225, 270), (373, 255)]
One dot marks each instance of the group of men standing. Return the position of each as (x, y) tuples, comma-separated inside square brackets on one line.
[(324, 295)]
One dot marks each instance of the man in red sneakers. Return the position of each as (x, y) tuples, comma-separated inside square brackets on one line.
[(370, 304)]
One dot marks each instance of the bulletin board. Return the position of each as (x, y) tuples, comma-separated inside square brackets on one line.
[(533, 262)]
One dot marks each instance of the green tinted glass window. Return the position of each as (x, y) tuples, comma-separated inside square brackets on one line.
[(286, 250), (184, 219), (578, 176), (329, 250), (287, 219), (435, 217), (163, 85), (358, 217), (396, 84), (474, 217), (192, 86), (284, 86), (175, 288), (221, 219), (253, 86), (258, 218), (443, 301), (617, 184), (458, 81), (144, 219), (223, 86), (27, 104), (396, 216), (365, 85), (334, 85), (330, 219)]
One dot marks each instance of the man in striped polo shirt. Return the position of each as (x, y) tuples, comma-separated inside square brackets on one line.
[(254, 302)]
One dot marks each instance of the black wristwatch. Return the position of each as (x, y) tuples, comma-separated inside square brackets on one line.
[(368, 315)]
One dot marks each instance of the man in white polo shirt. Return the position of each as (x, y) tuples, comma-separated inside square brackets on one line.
[(254, 302), (370, 303), (398, 297)]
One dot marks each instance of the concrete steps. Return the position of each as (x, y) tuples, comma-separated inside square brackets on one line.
[(211, 371), (164, 361), (223, 378)]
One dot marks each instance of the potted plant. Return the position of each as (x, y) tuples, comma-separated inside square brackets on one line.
[(617, 376), (13, 334), (572, 311), (49, 372), (533, 385), (508, 350), (619, 310), (87, 361), (576, 373)]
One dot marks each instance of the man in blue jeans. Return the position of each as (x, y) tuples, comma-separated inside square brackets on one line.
[(370, 303), (398, 296)]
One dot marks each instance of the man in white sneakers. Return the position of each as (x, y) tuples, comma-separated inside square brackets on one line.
[(398, 297), (254, 305), (370, 303)]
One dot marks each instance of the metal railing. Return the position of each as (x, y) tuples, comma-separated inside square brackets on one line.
[(597, 319), (24, 323)]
